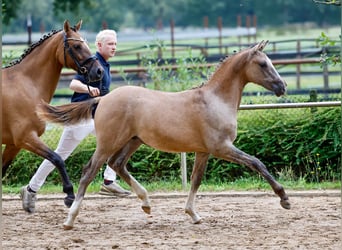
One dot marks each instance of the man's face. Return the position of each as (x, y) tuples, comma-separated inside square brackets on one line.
[(107, 48)]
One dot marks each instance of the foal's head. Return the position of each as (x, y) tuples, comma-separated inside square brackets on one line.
[(260, 70)]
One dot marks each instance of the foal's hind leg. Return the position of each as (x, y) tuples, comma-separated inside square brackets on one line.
[(196, 178), (240, 157), (118, 163)]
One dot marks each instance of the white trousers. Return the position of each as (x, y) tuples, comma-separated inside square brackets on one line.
[(71, 137)]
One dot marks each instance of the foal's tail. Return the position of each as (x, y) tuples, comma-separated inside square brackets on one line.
[(68, 114)]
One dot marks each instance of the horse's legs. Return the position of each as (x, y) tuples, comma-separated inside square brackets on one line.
[(7, 157), (198, 170), (35, 145), (118, 163), (240, 157), (88, 174)]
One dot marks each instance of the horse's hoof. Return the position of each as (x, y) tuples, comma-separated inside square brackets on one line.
[(197, 221), (67, 227), (68, 201), (285, 204), (146, 209)]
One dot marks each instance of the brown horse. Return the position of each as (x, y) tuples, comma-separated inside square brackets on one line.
[(32, 78), (201, 120)]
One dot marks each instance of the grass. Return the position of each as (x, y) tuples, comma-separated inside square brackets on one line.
[(243, 184)]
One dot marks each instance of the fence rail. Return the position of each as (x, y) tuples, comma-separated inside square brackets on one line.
[(290, 105), (138, 75)]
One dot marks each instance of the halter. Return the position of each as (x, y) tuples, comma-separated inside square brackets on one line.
[(81, 69)]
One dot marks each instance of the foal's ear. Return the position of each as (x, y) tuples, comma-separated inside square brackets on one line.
[(260, 46), (78, 25)]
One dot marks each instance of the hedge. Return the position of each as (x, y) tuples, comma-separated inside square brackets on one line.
[(292, 143)]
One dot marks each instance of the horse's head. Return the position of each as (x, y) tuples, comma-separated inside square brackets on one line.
[(77, 55), (260, 70)]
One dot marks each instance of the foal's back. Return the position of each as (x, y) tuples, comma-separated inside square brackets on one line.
[(171, 122)]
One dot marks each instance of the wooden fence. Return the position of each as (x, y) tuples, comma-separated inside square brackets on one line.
[(138, 75)]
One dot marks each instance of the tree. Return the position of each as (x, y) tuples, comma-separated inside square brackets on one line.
[(10, 7), (332, 2), (9, 10)]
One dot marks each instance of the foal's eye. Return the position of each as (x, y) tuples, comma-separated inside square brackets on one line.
[(263, 64)]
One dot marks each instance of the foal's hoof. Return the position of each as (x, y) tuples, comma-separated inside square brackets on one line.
[(146, 209), (197, 220), (67, 227), (285, 204), (68, 201)]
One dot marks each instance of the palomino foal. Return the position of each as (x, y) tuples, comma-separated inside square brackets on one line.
[(201, 120)]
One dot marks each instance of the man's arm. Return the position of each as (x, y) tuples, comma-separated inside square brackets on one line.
[(80, 87)]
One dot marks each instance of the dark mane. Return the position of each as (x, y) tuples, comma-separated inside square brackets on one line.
[(31, 48)]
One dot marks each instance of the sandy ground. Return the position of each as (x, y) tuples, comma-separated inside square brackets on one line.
[(231, 220)]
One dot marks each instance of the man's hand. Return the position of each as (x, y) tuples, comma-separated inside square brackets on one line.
[(94, 91), (80, 87)]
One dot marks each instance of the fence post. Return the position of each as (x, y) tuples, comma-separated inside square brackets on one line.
[(172, 26), (238, 25), (205, 25), (255, 26), (313, 98), (219, 26), (325, 71), (298, 65), (248, 25), (183, 170), (29, 29)]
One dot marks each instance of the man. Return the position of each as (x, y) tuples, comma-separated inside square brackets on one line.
[(106, 41)]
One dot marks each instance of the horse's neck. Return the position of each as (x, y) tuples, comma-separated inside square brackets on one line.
[(228, 85), (43, 68)]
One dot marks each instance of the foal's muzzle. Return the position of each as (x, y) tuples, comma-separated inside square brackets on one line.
[(279, 87)]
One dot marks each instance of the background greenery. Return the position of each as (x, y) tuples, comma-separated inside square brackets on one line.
[(293, 144), (48, 14)]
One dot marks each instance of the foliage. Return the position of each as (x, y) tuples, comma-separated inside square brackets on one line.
[(324, 40), (9, 10), (164, 78), (307, 146), (332, 2), (157, 14), (62, 6), (294, 144)]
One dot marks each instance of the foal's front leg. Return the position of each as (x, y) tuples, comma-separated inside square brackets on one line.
[(198, 170)]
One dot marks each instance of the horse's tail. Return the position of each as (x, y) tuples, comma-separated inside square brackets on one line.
[(68, 114)]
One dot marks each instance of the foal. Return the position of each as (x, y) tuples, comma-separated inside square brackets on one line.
[(201, 120)]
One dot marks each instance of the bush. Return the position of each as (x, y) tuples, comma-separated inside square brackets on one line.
[(292, 143)]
